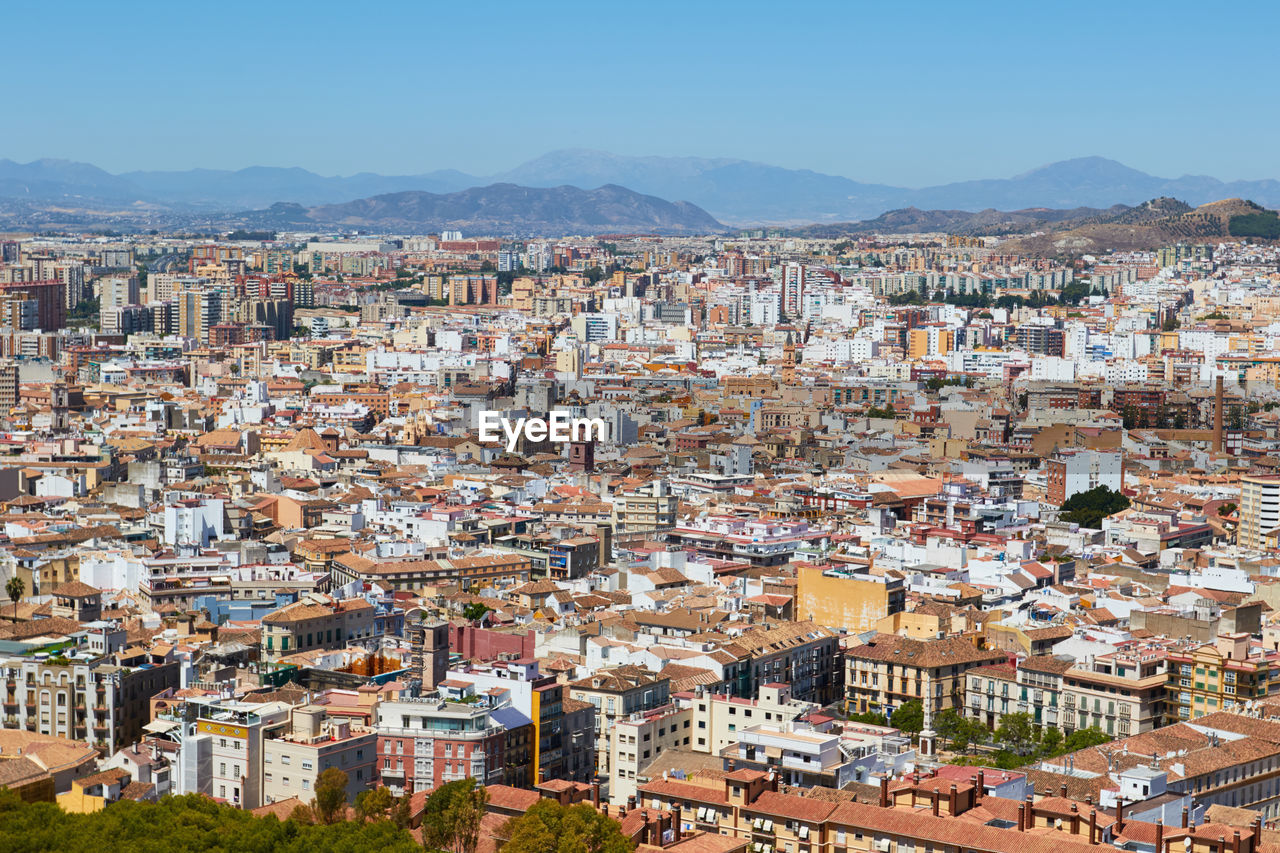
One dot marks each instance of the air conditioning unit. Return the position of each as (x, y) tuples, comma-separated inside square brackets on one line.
[(882, 845)]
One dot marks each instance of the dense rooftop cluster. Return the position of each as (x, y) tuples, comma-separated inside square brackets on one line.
[(878, 544)]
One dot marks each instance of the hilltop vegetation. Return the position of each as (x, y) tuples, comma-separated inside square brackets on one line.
[(1152, 224), (1264, 225), (185, 823)]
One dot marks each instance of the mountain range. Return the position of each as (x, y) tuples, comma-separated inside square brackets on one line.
[(505, 209), (733, 191)]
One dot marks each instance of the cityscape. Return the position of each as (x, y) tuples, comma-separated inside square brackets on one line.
[(600, 490)]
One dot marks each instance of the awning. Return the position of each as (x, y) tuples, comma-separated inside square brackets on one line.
[(159, 727)]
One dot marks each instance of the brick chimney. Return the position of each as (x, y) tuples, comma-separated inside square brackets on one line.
[(980, 790), (884, 792), (675, 823), (1120, 816), (1093, 826), (1160, 836)]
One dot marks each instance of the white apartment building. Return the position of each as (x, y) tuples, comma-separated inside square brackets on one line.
[(1259, 510), (292, 763)]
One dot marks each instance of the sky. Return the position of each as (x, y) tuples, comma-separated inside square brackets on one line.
[(899, 92)]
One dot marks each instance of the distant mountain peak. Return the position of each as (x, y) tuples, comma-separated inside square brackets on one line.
[(1076, 168)]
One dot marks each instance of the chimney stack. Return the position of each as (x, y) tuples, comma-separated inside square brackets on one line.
[(1120, 816), (1093, 826), (1185, 816), (631, 803), (1064, 791), (675, 823), (595, 795), (1217, 416), (981, 790), (884, 792), (1022, 817), (952, 797), (937, 797), (1159, 836), (1235, 842)]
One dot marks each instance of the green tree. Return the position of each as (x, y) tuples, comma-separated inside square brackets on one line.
[(870, 718), (969, 733), (1227, 509), (549, 827), (373, 804), (948, 725), (593, 274), (15, 588), (184, 823), (1051, 742), (475, 611), (402, 814), (451, 817), (331, 796), (1264, 224), (909, 717), (1084, 738), (1088, 508), (1017, 733)]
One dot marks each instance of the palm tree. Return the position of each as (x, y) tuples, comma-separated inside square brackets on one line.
[(14, 588)]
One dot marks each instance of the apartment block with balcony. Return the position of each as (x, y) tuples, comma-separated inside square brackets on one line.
[(889, 671), (293, 762), (616, 694), (1121, 693), (1204, 678), (97, 701), (424, 743), (636, 740), (801, 756), (315, 622)]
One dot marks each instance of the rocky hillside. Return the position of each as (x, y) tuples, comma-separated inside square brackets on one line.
[(508, 209), (1150, 225)]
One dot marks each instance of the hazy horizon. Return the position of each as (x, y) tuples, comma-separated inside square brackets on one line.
[(913, 95), (498, 175)]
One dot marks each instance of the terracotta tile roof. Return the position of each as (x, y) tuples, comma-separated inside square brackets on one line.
[(930, 653), (791, 807)]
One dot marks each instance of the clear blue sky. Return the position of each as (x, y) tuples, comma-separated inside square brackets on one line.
[(909, 93)]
